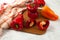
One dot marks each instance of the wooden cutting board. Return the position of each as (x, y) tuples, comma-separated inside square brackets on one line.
[(33, 30)]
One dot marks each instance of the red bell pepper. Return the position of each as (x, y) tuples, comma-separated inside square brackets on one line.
[(17, 23), (33, 15), (39, 2), (30, 23), (43, 25), (32, 11), (32, 7)]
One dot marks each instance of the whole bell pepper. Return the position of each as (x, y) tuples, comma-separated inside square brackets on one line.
[(32, 7), (43, 25), (17, 23), (30, 23), (33, 15), (40, 3), (32, 11)]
